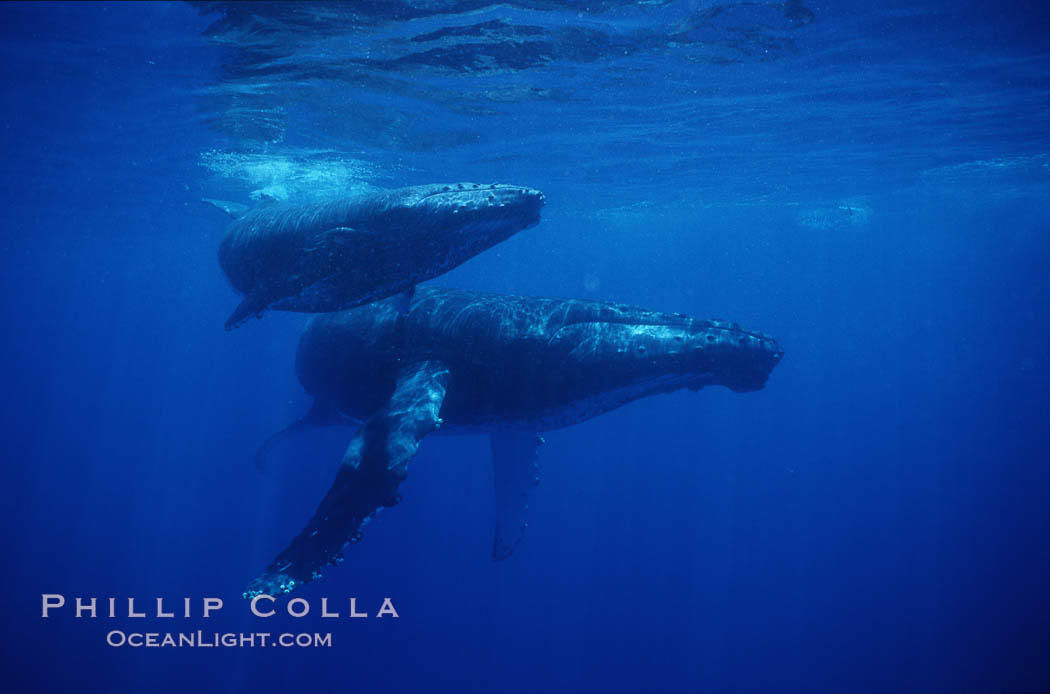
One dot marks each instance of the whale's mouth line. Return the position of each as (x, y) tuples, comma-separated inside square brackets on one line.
[(598, 403)]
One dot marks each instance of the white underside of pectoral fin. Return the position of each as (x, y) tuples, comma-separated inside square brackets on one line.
[(394, 433)]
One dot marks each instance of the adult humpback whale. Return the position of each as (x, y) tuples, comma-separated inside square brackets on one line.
[(510, 366), (347, 252)]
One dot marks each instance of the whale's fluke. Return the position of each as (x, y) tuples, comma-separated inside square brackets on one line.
[(322, 414)]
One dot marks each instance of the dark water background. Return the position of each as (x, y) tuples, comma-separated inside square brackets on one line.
[(870, 186)]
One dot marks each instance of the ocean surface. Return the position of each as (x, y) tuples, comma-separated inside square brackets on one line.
[(869, 183)]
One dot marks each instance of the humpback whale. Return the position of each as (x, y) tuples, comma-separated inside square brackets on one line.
[(351, 251), (508, 366)]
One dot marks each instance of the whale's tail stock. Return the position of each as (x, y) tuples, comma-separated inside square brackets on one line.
[(320, 414)]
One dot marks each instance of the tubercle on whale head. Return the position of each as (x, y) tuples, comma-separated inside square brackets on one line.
[(483, 200), (743, 359)]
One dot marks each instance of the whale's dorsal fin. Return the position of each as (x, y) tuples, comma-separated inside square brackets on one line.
[(374, 465), (516, 472), (234, 209), (403, 300)]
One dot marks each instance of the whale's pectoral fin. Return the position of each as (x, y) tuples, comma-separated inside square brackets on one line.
[(253, 305), (321, 414), (234, 209), (392, 436), (374, 465), (516, 472)]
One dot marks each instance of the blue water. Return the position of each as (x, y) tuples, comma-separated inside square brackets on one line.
[(867, 182)]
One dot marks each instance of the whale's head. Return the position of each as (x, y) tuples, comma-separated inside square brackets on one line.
[(481, 205), (637, 353), (737, 358), (692, 353), (480, 214)]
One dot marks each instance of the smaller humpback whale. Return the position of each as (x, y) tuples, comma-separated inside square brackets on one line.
[(347, 252), (508, 366)]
